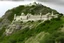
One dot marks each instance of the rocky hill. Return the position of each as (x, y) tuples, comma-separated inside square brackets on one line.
[(49, 31)]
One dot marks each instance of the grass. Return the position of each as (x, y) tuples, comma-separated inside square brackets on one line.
[(27, 34)]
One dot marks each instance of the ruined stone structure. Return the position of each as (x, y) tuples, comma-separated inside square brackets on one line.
[(30, 17)]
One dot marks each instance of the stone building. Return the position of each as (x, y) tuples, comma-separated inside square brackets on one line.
[(30, 17)]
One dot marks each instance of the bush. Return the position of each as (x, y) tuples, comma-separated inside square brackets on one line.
[(60, 39), (40, 20)]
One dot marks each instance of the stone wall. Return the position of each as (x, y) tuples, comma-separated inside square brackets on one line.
[(30, 17)]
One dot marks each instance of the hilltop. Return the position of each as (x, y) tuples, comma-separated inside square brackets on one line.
[(39, 31)]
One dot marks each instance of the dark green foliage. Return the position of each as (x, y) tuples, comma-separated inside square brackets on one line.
[(53, 38), (1, 19), (49, 26), (21, 21), (11, 16), (2, 31), (60, 39), (40, 20)]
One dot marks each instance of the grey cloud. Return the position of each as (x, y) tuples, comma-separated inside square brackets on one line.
[(59, 2), (48, 0), (51, 0)]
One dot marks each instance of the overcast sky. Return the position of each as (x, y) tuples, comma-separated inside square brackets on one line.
[(9, 4), (59, 2)]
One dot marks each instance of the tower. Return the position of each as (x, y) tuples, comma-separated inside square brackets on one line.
[(40, 16), (28, 15), (52, 14), (14, 16)]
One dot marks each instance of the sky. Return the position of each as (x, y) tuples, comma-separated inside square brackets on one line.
[(9, 4)]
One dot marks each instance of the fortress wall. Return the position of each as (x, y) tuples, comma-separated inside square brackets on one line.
[(23, 17), (36, 17), (30, 17)]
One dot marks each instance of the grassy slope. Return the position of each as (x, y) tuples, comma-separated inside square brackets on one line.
[(51, 30)]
